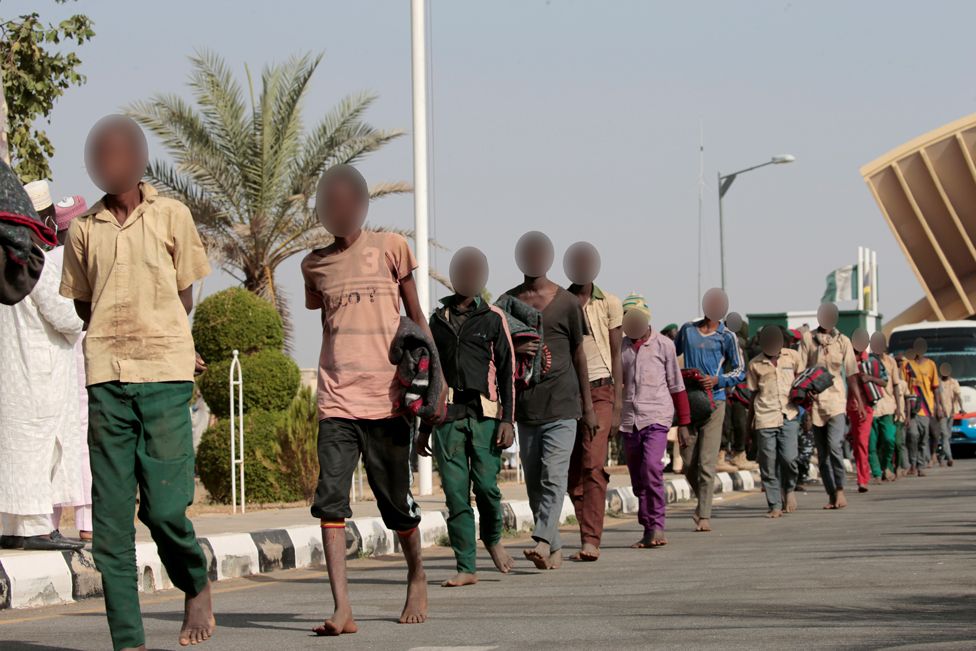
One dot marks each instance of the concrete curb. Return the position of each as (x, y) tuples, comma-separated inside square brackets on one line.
[(47, 578)]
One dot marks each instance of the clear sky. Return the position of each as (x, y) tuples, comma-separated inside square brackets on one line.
[(581, 119)]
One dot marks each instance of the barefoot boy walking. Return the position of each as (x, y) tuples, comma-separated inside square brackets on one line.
[(548, 412), (476, 354), (358, 283), (130, 265)]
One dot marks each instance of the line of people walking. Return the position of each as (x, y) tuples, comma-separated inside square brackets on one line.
[(566, 370)]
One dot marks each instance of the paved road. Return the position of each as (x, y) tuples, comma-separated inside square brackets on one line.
[(896, 569)]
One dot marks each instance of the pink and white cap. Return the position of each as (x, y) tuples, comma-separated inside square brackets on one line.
[(67, 209)]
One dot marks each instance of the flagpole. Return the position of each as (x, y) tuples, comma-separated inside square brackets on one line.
[(418, 48)]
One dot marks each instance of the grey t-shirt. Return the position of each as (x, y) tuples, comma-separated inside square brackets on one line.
[(557, 396)]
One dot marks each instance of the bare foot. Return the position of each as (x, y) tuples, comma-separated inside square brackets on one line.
[(555, 560), (644, 543), (790, 502), (539, 555), (341, 623), (501, 558), (198, 619), (462, 578), (774, 513), (589, 553), (415, 610), (841, 500), (703, 525), (658, 539)]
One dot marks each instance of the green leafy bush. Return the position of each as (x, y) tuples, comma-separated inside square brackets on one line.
[(236, 319), (298, 442), (264, 479), (271, 381)]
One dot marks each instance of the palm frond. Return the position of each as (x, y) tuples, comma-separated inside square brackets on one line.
[(381, 190), (242, 160)]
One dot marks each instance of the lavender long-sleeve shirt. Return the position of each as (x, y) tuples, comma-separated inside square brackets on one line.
[(651, 375)]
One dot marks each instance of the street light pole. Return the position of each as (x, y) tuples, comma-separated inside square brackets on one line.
[(721, 230), (724, 183), (418, 46)]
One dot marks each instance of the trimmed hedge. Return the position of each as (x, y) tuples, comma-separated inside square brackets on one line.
[(265, 480), (235, 319), (271, 381)]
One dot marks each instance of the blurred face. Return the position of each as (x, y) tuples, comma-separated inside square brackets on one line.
[(734, 322), (771, 341), (469, 272), (920, 347), (715, 304), (581, 263), (946, 369), (827, 316), (879, 344), (860, 340), (116, 154), (534, 254), (635, 324), (341, 204)]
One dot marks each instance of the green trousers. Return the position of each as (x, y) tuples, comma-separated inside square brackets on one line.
[(140, 437), (467, 458), (881, 451)]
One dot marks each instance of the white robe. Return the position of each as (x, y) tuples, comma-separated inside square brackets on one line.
[(40, 463)]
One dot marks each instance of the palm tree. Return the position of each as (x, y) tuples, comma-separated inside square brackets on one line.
[(248, 170)]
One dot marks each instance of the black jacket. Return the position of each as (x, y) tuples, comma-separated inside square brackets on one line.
[(477, 357)]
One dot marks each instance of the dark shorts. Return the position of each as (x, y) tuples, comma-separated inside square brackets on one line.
[(385, 449)]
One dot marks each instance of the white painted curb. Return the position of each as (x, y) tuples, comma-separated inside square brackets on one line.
[(38, 579)]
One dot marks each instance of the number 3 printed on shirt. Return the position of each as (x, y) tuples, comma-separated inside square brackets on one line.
[(371, 260)]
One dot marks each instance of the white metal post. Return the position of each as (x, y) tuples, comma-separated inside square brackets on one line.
[(236, 431), (874, 281), (860, 277), (418, 16)]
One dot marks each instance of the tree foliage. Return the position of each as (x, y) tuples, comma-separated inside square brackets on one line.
[(235, 319), (263, 476), (271, 381), (37, 68), (298, 443)]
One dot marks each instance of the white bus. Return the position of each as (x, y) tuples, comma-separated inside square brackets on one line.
[(953, 342)]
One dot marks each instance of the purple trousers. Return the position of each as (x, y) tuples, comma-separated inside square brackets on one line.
[(645, 460)]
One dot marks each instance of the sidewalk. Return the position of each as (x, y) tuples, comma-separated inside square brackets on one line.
[(268, 540)]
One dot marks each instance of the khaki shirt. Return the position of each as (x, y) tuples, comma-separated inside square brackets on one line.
[(950, 395), (833, 351), (887, 406), (604, 312), (772, 384), (132, 276)]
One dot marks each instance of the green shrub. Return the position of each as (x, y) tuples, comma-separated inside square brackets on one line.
[(298, 442), (271, 380), (264, 480), (235, 319)]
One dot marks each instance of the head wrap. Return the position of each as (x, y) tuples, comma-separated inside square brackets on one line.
[(638, 303), (67, 209)]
